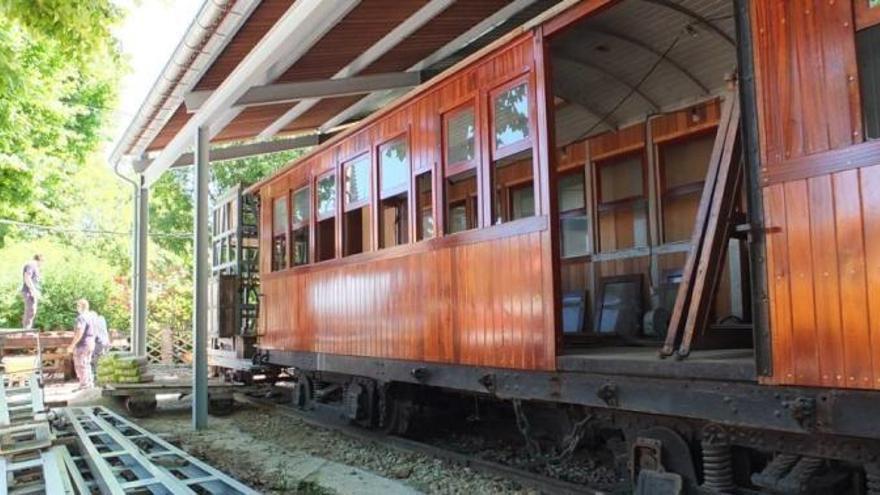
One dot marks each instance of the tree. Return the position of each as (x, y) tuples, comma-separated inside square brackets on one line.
[(248, 170), (59, 68)]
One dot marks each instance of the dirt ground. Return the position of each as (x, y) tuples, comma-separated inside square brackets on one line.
[(279, 454), (260, 447)]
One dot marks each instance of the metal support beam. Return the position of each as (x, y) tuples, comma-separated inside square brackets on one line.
[(252, 149), (200, 282), (322, 88), (143, 222), (403, 30), (294, 33), (135, 246)]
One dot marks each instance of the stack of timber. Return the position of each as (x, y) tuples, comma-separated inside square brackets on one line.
[(52, 348), (715, 216)]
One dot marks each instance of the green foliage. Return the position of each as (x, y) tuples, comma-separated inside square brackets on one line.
[(170, 297), (59, 69), (249, 170), (171, 206), (171, 211), (68, 274)]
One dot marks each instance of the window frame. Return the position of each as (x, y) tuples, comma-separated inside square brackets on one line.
[(419, 234), (406, 185), (318, 216), (346, 206), (583, 211), (471, 202), (499, 153), (286, 234), (305, 223), (295, 227), (606, 161), (451, 169)]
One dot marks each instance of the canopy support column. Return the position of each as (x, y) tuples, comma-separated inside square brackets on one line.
[(200, 281), (142, 208)]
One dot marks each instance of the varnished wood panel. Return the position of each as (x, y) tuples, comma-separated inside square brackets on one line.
[(822, 273), (819, 187), (806, 77), (866, 16), (452, 299), (461, 304)]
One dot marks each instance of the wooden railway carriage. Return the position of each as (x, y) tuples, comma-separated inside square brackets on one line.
[(503, 228)]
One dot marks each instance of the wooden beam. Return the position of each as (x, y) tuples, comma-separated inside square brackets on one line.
[(728, 125), (322, 88)]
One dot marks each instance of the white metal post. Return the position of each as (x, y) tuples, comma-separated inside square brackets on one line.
[(135, 246), (200, 282), (143, 223)]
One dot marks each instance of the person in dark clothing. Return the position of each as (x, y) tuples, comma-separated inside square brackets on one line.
[(30, 290)]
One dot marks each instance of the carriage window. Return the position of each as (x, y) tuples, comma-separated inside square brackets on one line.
[(868, 56), (459, 133), (511, 116), (299, 227), (683, 167), (513, 185), (424, 193), (623, 219), (461, 202), (394, 166), (573, 220), (279, 234), (514, 188), (394, 193), (325, 237), (356, 224)]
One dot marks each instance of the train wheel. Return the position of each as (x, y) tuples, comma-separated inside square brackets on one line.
[(398, 413), (140, 407), (303, 392), (221, 407)]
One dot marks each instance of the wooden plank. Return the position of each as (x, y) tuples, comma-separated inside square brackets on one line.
[(840, 66), (853, 287), (865, 15), (849, 158), (729, 115), (803, 322), (829, 338), (718, 226), (778, 275), (870, 184), (809, 61)]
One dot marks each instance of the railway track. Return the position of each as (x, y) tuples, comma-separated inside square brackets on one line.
[(527, 479)]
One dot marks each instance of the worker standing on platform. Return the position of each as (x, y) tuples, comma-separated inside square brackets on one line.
[(30, 290), (83, 344)]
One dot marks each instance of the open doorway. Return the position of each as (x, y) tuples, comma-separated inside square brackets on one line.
[(638, 93)]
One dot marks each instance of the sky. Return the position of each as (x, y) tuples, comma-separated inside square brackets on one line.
[(149, 34)]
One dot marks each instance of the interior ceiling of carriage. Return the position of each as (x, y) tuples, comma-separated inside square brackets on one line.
[(640, 58), (635, 59)]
